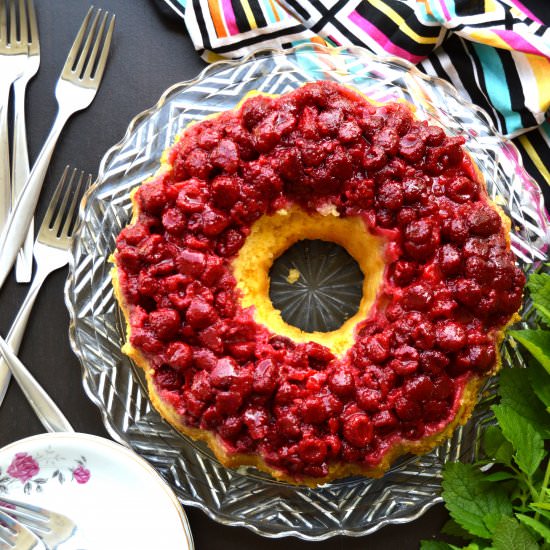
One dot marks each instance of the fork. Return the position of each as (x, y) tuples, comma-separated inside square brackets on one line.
[(51, 251), (28, 34), (12, 57), (51, 527), (15, 535), (75, 89)]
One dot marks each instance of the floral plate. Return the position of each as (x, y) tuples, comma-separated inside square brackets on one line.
[(354, 506), (115, 497)]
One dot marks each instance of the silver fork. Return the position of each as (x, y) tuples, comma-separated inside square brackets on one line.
[(75, 90), (12, 56), (51, 251), (15, 535), (51, 527), (28, 35)]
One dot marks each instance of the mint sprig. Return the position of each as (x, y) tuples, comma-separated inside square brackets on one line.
[(473, 502), (507, 506)]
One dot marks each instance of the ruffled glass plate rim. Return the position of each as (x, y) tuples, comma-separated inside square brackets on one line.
[(534, 192)]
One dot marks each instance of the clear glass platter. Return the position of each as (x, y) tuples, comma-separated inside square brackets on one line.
[(353, 506)]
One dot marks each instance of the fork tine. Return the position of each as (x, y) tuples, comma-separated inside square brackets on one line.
[(83, 55), (23, 28), (13, 23), (105, 52), (34, 43), (71, 58), (91, 59), (3, 22), (49, 216), (100, 66), (70, 222)]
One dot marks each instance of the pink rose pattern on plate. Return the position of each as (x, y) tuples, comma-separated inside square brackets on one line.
[(23, 467), (32, 471), (81, 474)]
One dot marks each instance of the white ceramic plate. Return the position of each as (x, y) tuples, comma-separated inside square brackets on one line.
[(116, 498)]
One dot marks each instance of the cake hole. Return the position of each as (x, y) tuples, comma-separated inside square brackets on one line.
[(316, 285)]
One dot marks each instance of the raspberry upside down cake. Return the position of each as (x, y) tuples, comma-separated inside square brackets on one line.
[(322, 162)]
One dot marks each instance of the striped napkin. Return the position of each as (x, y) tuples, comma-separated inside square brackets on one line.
[(495, 52)]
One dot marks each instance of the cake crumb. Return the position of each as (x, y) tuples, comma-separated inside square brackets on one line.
[(293, 275), (328, 209)]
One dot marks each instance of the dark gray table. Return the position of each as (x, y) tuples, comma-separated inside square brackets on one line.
[(149, 53)]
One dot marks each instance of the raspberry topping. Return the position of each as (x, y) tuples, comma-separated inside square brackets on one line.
[(450, 284)]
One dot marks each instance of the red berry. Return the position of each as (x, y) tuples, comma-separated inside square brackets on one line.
[(225, 156), (369, 399), (256, 420), (418, 297), (289, 425), (341, 383), (384, 419), (449, 259), (224, 373), (179, 355), (390, 195), (484, 221), (421, 239), (225, 191), (213, 221), (358, 429), (191, 262), (377, 348), (200, 313), (265, 377), (349, 132), (407, 409), (228, 402), (450, 335), (165, 323), (312, 450), (433, 361), (167, 378), (315, 410), (152, 197), (418, 389)]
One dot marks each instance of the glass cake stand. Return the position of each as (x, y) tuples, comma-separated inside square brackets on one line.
[(245, 497)]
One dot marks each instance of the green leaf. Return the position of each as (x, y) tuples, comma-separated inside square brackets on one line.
[(511, 535), (436, 545), (540, 505), (539, 288), (440, 545), (496, 446), (453, 529), (516, 392), (491, 521), (537, 342), (471, 500), (499, 476), (527, 442), (536, 525), (540, 381), (545, 512)]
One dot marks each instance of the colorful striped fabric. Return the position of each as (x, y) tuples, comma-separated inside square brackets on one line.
[(495, 52)]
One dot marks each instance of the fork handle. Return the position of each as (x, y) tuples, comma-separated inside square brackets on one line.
[(20, 217), (19, 175), (43, 405), (17, 330), (5, 185)]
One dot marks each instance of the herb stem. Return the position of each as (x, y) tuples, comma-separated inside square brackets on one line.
[(527, 481), (542, 495)]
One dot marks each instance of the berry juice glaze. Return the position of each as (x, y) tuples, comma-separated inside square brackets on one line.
[(449, 288)]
